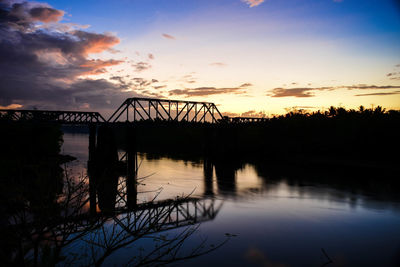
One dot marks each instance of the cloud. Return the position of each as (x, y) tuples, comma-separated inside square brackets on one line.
[(22, 16), (393, 75), (206, 91), (12, 106), (95, 42), (364, 87), (167, 36), (139, 83), (188, 78), (296, 92), (253, 3), (245, 85), (141, 66), (150, 56), (254, 114), (230, 114), (46, 66), (218, 64), (380, 93), (159, 87), (46, 14), (309, 91)]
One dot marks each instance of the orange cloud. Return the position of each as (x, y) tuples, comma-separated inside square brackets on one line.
[(11, 106), (96, 42), (168, 36), (253, 3)]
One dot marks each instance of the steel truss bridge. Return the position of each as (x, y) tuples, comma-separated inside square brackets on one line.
[(132, 110), (63, 117)]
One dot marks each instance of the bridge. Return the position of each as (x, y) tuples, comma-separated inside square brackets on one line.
[(63, 117), (132, 110), (166, 110)]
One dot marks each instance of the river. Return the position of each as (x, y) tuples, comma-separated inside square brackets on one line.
[(267, 214)]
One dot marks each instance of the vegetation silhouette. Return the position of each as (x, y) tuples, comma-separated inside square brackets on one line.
[(340, 136)]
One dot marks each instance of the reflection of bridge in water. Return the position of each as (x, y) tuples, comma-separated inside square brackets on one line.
[(113, 183), (169, 214)]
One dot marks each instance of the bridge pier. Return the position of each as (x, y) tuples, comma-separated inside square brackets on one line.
[(131, 167), (91, 166)]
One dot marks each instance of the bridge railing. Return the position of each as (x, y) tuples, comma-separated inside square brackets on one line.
[(64, 117), (136, 109)]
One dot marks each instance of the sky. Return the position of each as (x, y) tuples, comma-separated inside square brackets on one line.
[(249, 57)]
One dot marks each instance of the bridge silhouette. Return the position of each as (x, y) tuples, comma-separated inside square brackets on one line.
[(132, 110)]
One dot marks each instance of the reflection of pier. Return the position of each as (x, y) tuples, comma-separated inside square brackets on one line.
[(113, 191)]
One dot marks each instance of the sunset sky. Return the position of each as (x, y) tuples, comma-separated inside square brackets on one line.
[(247, 56)]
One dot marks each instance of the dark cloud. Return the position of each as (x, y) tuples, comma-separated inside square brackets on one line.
[(380, 93), (206, 91), (47, 68), (159, 87), (142, 83), (141, 66), (296, 92), (46, 14), (230, 114), (22, 16), (148, 93), (188, 78), (393, 75), (246, 85), (218, 64), (364, 87), (309, 91), (254, 114), (167, 36)]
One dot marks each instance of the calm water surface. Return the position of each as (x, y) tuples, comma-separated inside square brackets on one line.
[(269, 220)]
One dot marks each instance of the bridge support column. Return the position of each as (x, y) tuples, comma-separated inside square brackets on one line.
[(131, 178), (91, 166)]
